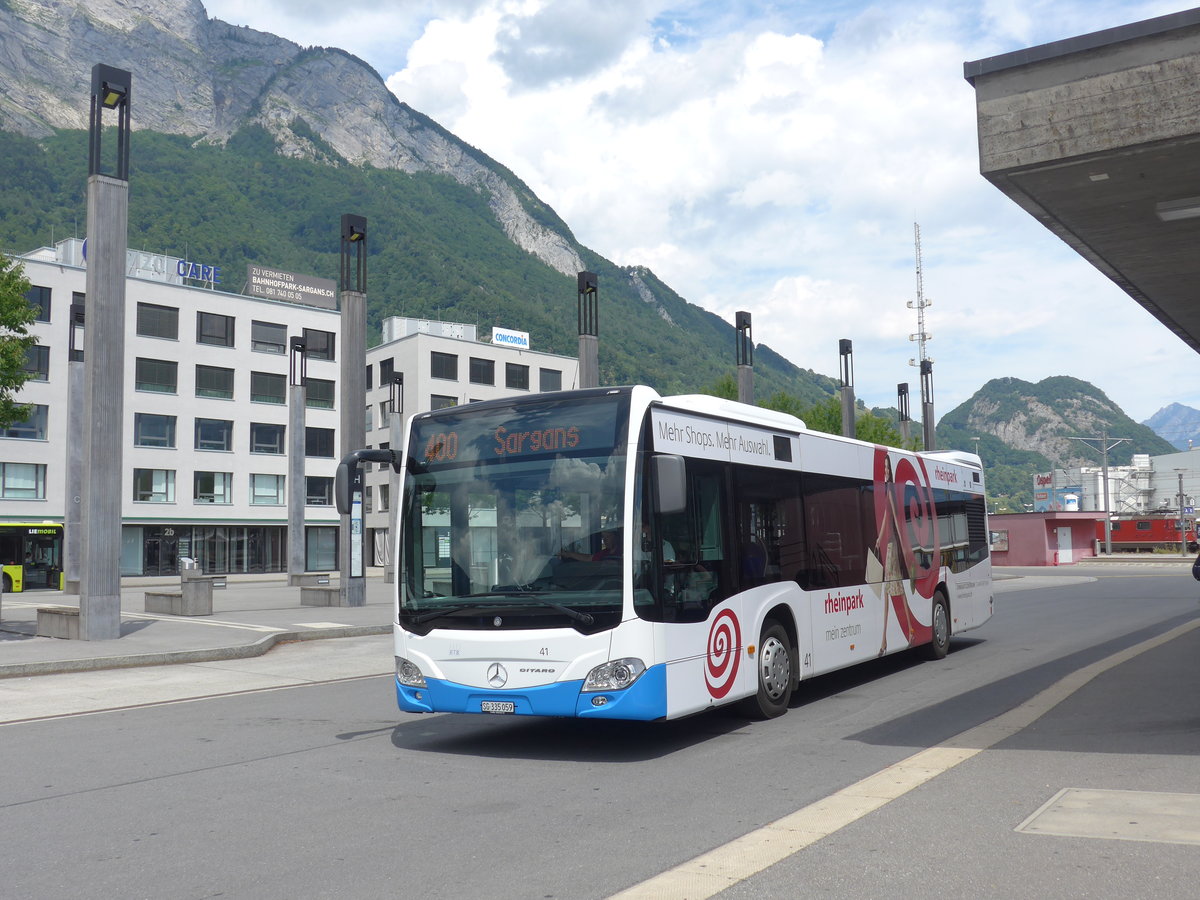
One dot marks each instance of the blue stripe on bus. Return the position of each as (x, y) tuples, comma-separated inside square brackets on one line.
[(646, 699)]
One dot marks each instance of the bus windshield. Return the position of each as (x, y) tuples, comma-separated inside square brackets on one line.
[(512, 516)]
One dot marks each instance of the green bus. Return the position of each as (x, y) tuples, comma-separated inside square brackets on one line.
[(31, 556)]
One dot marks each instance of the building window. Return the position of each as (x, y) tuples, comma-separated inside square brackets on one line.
[(318, 393), (266, 490), (443, 365), (158, 321), (214, 329), (386, 445), (387, 368), (22, 481), (384, 497), (368, 420), (318, 442), (318, 491), (441, 401), (483, 371), (267, 387), (266, 438), (33, 428), (212, 381), (159, 376), (214, 487), (214, 434), (37, 362), (549, 380), (318, 344), (321, 548), (267, 337), (367, 504), (39, 299), (516, 376), (154, 485), (150, 430)]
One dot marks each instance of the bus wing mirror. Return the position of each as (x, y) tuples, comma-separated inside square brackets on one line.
[(671, 484), (348, 477)]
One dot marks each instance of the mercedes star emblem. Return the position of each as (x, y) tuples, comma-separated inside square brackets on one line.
[(497, 675)]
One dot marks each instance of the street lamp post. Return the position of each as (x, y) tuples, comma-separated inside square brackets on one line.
[(589, 330), (352, 589), (104, 361), (297, 440), (846, 366), (745, 358), (395, 443)]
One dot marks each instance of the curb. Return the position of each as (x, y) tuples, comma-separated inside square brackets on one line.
[(180, 657)]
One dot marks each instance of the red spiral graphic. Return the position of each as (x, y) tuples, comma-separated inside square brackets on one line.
[(724, 654)]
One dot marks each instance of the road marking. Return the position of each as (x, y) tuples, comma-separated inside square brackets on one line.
[(734, 862)]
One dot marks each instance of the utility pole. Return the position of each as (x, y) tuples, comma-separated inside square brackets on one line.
[(922, 360), (1183, 551), (1105, 446)]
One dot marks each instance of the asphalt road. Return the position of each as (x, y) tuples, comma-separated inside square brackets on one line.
[(324, 789)]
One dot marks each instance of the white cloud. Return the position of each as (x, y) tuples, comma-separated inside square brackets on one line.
[(774, 158)]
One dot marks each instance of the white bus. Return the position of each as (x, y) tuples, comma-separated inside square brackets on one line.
[(611, 553)]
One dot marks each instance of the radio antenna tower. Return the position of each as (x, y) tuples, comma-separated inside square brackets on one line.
[(919, 305), (922, 337)]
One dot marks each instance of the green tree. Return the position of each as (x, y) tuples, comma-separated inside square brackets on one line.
[(16, 315), (725, 387)]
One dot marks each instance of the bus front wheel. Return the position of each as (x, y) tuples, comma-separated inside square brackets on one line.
[(775, 674), (939, 644), (7, 584)]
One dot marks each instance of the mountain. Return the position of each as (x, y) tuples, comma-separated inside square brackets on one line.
[(1178, 424), (247, 148), (1025, 428)]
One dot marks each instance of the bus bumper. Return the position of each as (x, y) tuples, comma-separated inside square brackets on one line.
[(644, 700)]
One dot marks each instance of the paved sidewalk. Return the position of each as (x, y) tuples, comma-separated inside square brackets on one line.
[(250, 616)]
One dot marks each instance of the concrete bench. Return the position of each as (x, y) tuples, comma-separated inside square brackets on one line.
[(320, 596), (58, 622), (310, 579), (195, 599)]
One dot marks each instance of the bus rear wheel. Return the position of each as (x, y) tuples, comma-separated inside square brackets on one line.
[(774, 664), (939, 645)]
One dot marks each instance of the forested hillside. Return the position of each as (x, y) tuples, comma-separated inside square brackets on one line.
[(435, 250)]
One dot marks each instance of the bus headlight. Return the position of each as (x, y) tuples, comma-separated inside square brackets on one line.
[(408, 674), (615, 675)]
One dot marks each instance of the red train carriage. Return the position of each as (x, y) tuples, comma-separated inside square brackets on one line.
[(1149, 533)]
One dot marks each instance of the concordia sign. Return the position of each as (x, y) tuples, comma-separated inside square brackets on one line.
[(272, 284), (507, 338)]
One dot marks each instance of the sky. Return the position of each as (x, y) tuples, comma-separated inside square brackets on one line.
[(775, 157)]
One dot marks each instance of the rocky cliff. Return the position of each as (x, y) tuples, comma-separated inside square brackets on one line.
[(204, 78)]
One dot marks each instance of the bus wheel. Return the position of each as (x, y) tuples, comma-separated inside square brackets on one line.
[(939, 646), (774, 664)]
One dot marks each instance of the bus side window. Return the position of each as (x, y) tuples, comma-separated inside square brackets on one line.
[(770, 528), (698, 579)]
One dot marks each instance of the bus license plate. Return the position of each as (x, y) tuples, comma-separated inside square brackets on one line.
[(499, 707)]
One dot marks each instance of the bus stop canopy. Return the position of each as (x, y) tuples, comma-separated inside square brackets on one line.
[(1098, 137)]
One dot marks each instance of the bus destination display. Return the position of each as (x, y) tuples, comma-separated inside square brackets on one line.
[(555, 428)]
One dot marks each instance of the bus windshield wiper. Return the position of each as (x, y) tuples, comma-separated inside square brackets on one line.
[(574, 614), (437, 613)]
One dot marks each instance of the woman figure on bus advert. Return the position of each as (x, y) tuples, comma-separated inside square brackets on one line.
[(891, 555)]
